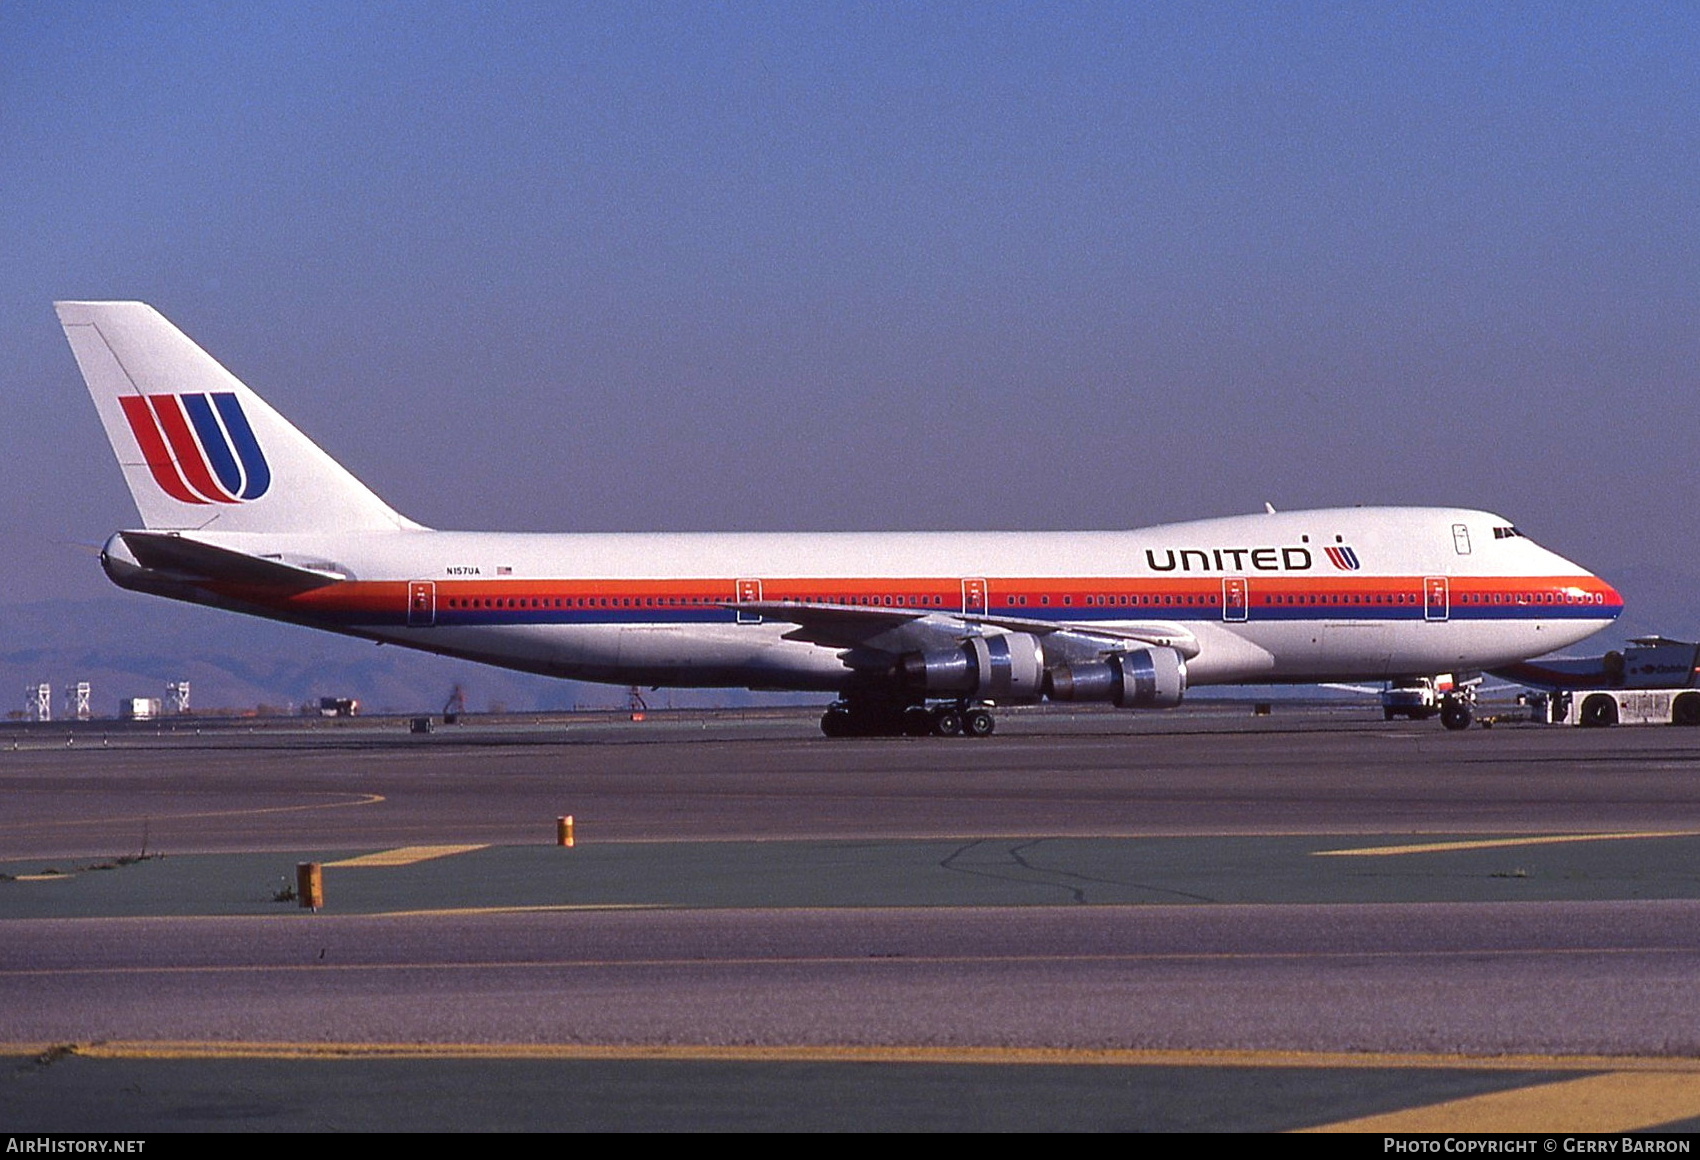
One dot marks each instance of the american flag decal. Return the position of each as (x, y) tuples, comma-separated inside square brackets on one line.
[(1343, 558)]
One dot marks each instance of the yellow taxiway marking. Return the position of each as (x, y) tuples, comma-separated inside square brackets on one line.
[(1495, 843), (1597, 1103), (42, 877), (357, 799), (1683, 1073), (406, 855), (537, 908)]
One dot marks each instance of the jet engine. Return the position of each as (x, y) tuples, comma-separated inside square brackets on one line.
[(1146, 678), (1005, 667)]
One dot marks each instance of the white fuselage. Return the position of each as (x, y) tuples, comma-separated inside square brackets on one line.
[(1341, 594)]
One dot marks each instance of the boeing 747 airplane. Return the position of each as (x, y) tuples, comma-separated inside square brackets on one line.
[(915, 632)]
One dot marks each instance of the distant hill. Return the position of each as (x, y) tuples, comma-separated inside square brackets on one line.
[(130, 647)]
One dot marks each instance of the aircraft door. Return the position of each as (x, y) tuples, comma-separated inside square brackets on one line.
[(748, 590), (1437, 603), (1236, 599), (421, 603), (974, 596)]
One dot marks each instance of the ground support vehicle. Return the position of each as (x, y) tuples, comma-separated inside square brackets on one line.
[(1419, 698), (1651, 682)]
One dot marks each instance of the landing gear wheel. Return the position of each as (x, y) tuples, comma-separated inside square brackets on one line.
[(1456, 715), (978, 723), (947, 722), (917, 721)]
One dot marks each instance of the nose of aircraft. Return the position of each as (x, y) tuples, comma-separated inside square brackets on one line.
[(1603, 594), (1599, 592), (1602, 604), (1596, 601), (1613, 598)]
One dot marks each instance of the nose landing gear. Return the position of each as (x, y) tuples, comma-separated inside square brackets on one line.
[(1457, 711)]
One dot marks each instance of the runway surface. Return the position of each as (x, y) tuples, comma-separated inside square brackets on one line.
[(1193, 921)]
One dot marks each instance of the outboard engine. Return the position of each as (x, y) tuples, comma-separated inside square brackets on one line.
[(1005, 667), (1146, 678)]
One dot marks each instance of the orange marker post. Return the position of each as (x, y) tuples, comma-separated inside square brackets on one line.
[(564, 830), (310, 885)]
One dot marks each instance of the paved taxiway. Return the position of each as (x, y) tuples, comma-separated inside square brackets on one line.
[(1188, 921)]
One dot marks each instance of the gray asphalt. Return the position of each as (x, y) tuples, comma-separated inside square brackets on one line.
[(1481, 979), (749, 886), (688, 778)]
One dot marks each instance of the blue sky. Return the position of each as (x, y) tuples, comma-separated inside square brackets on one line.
[(748, 266)]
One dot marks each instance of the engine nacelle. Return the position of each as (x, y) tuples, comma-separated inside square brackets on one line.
[(1146, 678), (1005, 667)]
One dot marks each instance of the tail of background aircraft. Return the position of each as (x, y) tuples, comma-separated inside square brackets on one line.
[(200, 451)]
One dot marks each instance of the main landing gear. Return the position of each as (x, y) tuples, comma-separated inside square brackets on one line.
[(859, 718)]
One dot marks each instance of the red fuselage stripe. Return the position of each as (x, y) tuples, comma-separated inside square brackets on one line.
[(1481, 596)]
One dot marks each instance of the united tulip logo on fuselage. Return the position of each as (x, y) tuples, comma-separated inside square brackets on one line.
[(1291, 559), (199, 447)]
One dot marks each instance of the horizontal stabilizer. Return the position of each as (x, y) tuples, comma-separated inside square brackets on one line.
[(191, 559)]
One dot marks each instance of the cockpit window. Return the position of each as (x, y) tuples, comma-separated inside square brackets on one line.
[(1506, 533)]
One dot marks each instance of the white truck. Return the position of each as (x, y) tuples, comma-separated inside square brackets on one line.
[(1451, 698), (1417, 698), (1653, 681)]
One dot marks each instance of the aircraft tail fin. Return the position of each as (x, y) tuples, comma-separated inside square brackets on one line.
[(199, 449)]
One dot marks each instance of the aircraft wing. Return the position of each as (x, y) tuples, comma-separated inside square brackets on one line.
[(900, 630), (192, 559)]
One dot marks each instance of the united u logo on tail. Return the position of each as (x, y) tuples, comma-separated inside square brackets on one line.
[(1343, 558), (199, 447)]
